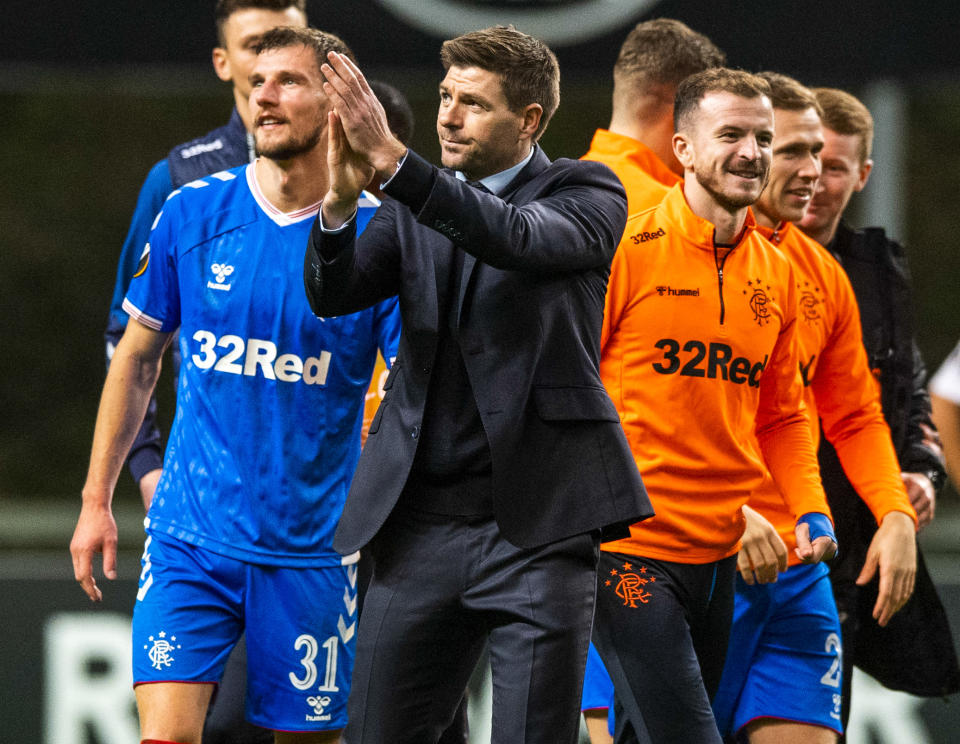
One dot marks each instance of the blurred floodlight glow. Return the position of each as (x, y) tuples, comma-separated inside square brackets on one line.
[(554, 21)]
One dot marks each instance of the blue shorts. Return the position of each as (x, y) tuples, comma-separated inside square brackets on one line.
[(193, 605), (597, 687), (784, 658)]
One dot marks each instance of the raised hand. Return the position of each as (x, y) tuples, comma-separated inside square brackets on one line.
[(362, 118), (347, 175)]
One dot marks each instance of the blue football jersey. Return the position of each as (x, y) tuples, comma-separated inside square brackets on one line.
[(270, 397)]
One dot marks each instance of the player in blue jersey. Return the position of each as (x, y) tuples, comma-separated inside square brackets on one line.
[(266, 435), (240, 24)]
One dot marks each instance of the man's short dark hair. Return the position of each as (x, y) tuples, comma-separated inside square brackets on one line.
[(321, 42), (844, 113), (716, 80), (527, 69), (397, 108), (664, 51), (226, 8), (788, 94)]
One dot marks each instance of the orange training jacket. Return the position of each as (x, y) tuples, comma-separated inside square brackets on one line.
[(644, 176), (700, 356), (838, 386)]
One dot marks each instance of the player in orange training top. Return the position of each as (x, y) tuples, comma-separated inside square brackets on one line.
[(699, 353), (782, 680), (638, 146)]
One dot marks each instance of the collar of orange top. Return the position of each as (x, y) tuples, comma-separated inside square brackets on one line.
[(694, 228), (619, 145)]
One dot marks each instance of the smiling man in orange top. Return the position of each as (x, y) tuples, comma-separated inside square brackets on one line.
[(655, 57), (638, 146), (699, 354), (782, 680)]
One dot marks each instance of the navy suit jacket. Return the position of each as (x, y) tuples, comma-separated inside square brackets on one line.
[(538, 256)]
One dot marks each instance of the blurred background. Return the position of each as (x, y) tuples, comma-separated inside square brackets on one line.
[(93, 93)]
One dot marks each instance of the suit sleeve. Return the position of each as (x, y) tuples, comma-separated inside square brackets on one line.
[(574, 227), (782, 427), (620, 293), (343, 273), (848, 404), (146, 453)]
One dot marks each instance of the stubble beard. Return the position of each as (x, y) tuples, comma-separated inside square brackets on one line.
[(729, 202), (291, 147), (465, 162)]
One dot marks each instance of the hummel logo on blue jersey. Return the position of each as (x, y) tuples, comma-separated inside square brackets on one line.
[(220, 272)]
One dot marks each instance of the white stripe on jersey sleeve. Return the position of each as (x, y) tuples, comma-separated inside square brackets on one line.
[(134, 312), (223, 176), (349, 560)]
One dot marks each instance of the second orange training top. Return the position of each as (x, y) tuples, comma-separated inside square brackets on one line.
[(838, 386), (644, 176), (699, 354)]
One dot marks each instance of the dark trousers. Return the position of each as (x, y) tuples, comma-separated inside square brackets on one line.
[(456, 732), (442, 586), (662, 629)]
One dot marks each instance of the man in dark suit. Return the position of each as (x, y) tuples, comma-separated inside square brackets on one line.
[(496, 458)]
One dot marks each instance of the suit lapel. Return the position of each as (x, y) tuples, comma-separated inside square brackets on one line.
[(537, 163), (468, 263), (441, 250)]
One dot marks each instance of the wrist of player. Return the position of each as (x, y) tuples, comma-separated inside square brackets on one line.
[(94, 495), (818, 525), (894, 516)]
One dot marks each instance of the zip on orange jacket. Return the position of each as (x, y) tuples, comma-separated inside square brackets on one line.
[(838, 386), (699, 354), (644, 176)]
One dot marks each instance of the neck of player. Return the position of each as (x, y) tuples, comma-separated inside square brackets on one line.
[(649, 120), (825, 234), (727, 221), (767, 219), (296, 183)]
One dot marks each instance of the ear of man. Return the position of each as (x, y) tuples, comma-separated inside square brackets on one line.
[(221, 64), (683, 150), (532, 113)]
